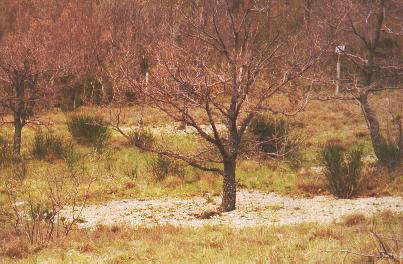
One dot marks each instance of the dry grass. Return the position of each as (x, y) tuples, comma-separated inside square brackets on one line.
[(167, 244), (354, 219), (381, 181), (16, 248), (311, 183), (324, 233)]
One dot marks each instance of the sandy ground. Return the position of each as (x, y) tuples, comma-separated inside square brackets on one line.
[(253, 209), (173, 129)]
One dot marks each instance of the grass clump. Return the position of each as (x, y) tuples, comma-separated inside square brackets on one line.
[(88, 129), (161, 167), (71, 155), (47, 146), (141, 138), (51, 147), (342, 168), (389, 154), (390, 151), (273, 139)]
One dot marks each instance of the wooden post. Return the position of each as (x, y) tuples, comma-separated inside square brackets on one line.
[(338, 75), (339, 50)]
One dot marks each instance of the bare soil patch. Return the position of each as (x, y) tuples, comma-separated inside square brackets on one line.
[(254, 208)]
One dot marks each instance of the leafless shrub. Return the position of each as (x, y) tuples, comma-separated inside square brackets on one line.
[(386, 248), (40, 211)]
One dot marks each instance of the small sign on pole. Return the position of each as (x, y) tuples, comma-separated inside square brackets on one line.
[(340, 49)]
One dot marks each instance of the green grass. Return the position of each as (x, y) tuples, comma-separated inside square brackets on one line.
[(213, 244), (268, 176)]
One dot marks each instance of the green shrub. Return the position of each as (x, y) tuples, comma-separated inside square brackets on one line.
[(141, 138), (342, 168), (48, 146), (162, 167), (91, 130), (51, 147), (273, 137)]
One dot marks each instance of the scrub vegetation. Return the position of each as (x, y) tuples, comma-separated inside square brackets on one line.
[(105, 101)]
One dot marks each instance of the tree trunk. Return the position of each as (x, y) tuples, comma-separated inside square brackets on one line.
[(18, 110), (400, 138), (17, 134), (373, 125), (229, 187)]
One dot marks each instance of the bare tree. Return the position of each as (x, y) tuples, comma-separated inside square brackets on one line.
[(25, 64), (221, 63), (48, 47), (371, 32)]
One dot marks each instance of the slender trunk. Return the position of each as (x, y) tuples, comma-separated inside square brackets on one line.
[(17, 134), (229, 187), (373, 125)]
